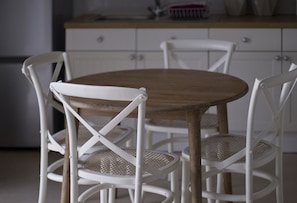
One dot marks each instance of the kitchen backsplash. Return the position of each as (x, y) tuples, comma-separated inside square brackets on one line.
[(140, 6)]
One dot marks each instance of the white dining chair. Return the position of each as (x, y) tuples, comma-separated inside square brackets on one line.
[(55, 141), (262, 143), (170, 132), (176, 130), (114, 167)]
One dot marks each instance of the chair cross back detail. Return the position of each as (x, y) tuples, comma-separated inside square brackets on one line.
[(57, 59), (266, 88), (171, 47), (136, 98)]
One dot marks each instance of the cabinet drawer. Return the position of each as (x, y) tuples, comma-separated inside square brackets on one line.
[(250, 39), (150, 39), (289, 39), (90, 62), (100, 39)]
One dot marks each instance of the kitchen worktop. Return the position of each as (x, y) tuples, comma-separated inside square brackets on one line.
[(87, 21)]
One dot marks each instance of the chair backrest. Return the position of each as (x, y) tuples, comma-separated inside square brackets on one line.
[(32, 69), (275, 92), (172, 47), (136, 99)]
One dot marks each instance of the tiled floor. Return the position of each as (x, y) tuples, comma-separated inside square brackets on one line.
[(19, 179)]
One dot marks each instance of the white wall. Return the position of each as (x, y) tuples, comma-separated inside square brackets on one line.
[(140, 6)]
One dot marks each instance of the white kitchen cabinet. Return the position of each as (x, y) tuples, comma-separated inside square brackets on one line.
[(100, 39), (250, 39), (148, 42), (88, 62), (99, 50), (260, 53), (150, 39), (289, 39)]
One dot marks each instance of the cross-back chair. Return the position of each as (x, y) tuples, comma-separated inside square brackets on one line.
[(174, 55), (114, 167), (173, 58), (262, 143), (54, 141)]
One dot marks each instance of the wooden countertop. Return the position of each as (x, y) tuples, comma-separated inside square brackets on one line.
[(289, 21)]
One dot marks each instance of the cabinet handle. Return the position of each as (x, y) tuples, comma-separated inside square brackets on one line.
[(173, 38), (277, 58), (132, 57), (286, 58), (100, 39), (140, 57), (245, 39)]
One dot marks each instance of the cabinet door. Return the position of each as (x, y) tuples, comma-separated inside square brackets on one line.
[(84, 63), (248, 66), (289, 39), (150, 39), (250, 39), (145, 60), (100, 39), (198, 60)]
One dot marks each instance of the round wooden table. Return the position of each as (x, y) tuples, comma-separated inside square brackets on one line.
[(174, 94)]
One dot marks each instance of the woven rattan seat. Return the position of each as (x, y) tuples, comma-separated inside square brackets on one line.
[(221, 147), (107, 162)]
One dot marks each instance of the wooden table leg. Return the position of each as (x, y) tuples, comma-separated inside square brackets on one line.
[(193, 118), (65, 191), (223, 128)]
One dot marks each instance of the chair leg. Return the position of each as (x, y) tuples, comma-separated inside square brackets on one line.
[(131, 194), (43, 175), (149, 139), (42, 188), (174, 186), (227, 183), (185, 193), (209, 185), (219, 184), (279, 173), (170, 144), (103, 196), (112, 195)]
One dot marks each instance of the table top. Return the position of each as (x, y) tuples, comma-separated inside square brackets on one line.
[(170, 92)]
